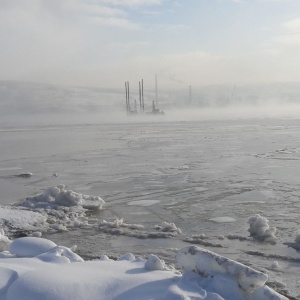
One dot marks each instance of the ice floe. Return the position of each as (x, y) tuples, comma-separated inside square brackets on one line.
[(119, 227), (55, 209), (55, 197)]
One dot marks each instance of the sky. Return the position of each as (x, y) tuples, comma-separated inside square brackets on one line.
[(104, 43)]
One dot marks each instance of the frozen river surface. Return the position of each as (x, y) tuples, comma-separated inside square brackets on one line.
[(206, 177)]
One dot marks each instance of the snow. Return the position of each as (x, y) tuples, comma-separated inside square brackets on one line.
[(236, 169), (55, 209), (30, 246), (296, 244), (297, 239), (53, 197), (20, 218), (60, 274), (168, 227), (275, 265), (119, 227), (260, 229), (230, 279)]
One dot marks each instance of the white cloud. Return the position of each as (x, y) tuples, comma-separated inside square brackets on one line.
[(93, 41), (292, 25), (288, 40), (131, 2), (130, 46), (177, 27), (102, 11), (121, 23)]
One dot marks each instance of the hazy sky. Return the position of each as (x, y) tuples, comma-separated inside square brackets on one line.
[(105, 42)]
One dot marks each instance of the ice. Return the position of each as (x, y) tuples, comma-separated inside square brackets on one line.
[(296, 244), (54, 197), (55, 209), (230, 279), (237, 168), (297, 239), (223, 220), (119, 227), (143, 202), (60, 274), (120, 223), (37, 234), (260, 229), (201, 239), (275, 265), (14, 218), (168, 227), (4, 241), (25, 175)]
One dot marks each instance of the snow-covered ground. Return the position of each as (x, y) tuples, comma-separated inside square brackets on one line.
[(229, 186), (35, 268)]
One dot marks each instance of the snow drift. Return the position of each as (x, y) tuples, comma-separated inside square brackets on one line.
[(36, 268)]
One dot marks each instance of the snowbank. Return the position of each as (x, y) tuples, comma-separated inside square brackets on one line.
[(228, 278), (60, 274)]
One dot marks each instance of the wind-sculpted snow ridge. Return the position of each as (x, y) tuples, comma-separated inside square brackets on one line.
[(119, 227), (260, 229), (56, 209), (228, 278), (36, 268)]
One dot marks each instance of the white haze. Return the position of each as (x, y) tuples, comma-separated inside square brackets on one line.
[(40, 104)]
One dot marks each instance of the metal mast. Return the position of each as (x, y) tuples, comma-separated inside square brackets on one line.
[(156, 96), (143, 104)]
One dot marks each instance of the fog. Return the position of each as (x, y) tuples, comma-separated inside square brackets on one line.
[(43, 104)]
